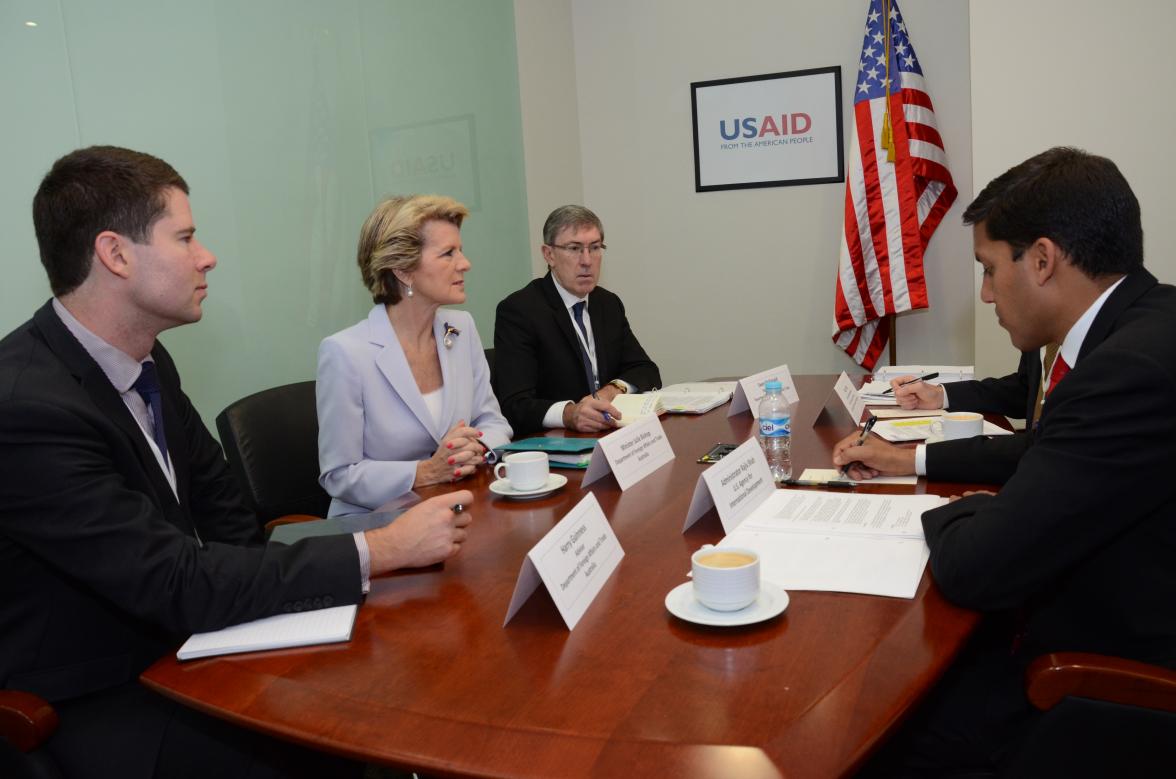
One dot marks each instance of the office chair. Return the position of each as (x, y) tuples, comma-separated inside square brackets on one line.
[(26, 722), (490, 359), (1104, 716), (270, 439)]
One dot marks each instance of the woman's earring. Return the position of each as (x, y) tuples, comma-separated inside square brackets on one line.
[(407, 290)]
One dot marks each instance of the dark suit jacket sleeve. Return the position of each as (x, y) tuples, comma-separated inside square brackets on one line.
[(634, 365), (980, 459), (516, 368), (1007, 395), (1098, 468), (70, 507)]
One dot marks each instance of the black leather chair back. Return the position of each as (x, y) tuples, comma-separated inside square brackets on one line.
[(271, 442)]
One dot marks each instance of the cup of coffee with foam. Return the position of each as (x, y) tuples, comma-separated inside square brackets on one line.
[(725, 578)]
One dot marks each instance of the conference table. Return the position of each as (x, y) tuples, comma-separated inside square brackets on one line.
[(431, 680)]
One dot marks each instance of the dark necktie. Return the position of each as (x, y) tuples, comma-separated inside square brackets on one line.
[(578, 313), (147, 385)]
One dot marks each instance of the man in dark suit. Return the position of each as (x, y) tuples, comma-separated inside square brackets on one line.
[(1018, 395), (1075, 552), (562, 337), (121, 530)]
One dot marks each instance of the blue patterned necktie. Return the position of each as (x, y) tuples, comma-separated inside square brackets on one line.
[(147, 385), (578, 313)]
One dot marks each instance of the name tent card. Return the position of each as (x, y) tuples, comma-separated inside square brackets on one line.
[(750, 391), (850, 399), (734, 485), (573, 561), (630, 453)]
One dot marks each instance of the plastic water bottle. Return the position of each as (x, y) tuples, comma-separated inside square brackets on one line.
[(775, 431)]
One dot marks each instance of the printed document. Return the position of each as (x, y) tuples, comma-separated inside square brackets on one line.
[(839, 542)]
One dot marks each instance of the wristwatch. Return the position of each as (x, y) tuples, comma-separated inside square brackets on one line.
[(620, 385)]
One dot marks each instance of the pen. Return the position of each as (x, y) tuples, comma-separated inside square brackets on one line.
[(816, 483), (862, 438), (928, 377), (607, 418)]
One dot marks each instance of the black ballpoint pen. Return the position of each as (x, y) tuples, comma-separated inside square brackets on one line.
[(928, 377), (861, 439), (818, 483)]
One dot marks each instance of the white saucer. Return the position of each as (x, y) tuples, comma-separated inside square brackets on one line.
[(554, 482), (681, 603), (933, 438)]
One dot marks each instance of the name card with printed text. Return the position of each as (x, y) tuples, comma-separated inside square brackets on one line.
[(851, 400), (630, 453), (572, 561), (734, 485), (750, 391)]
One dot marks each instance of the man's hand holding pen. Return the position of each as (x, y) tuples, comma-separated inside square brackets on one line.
[(913, 392), (861, 456)]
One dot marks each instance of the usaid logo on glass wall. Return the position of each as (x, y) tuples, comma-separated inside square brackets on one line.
[(768, 131)]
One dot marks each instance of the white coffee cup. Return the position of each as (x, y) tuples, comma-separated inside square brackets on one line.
[(524, 470), (958, 424), (725, 578)]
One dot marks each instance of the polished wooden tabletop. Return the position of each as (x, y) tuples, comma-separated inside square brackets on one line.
[(431, 680)]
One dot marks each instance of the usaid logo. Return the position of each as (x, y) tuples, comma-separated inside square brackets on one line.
[(765, 131), (789, 124)]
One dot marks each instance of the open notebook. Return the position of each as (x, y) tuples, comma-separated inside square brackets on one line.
[(697, 397)]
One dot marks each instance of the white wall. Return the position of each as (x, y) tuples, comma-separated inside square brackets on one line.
[(551, 120), (726, 283), (1079, 73)]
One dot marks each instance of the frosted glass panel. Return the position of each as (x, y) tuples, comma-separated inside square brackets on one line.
[(289, 119)]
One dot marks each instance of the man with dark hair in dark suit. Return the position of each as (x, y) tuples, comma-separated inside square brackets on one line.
[(121, 529), (563, 337), (1075, 552)]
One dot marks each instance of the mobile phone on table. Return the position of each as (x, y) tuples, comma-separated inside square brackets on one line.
[(718, 452)]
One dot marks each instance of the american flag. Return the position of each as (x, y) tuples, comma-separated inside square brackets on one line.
[(891, 206)]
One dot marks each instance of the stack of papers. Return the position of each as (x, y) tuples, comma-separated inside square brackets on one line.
[(282, 631), (875, 393), (839, 542), (697, 397)]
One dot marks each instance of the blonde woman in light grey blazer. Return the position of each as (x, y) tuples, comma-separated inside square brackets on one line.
[(404, 397)]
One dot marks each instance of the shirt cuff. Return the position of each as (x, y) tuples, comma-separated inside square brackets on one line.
[(365, 562), (921, 460), (554, 415), (944, 395)]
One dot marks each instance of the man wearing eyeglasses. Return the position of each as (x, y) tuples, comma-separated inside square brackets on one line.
[(562, 337)]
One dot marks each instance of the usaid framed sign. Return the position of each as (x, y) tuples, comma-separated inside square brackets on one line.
[(775, 130)]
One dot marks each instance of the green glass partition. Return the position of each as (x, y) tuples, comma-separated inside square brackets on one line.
[(289, 119)]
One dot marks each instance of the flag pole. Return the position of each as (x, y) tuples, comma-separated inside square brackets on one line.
[(893, 338)]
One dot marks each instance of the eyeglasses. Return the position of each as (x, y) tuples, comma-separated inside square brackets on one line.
[(576, 249)]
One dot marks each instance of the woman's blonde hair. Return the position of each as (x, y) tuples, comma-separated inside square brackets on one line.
[(391, 239)]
